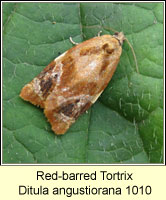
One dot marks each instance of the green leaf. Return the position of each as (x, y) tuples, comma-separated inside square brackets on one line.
[(125, 125)]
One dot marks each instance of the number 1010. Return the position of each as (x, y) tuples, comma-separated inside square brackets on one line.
[(139, 190)]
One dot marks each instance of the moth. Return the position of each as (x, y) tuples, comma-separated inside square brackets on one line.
[(72, 82)]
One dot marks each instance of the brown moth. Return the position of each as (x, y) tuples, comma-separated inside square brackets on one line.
[(72, 82)]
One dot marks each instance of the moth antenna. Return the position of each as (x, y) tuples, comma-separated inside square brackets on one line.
[(132, 49), (133, 52)]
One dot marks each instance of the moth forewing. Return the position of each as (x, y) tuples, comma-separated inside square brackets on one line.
[(71, 83)]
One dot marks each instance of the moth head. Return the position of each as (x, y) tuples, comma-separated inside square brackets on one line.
[(119, 36)]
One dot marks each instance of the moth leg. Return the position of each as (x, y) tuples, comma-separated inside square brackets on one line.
[(99, 33), (71, 40)]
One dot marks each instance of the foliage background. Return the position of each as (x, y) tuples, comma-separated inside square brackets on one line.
[(125, 125)]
